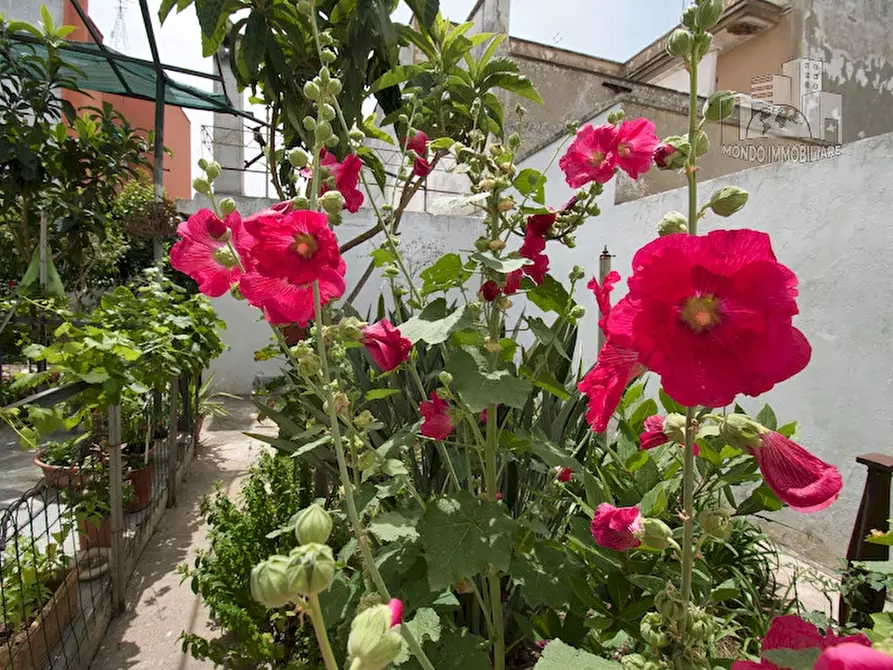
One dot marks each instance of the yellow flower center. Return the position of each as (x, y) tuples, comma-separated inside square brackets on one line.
[(597, 159), (305, 245), (701, 313), (624, 150)]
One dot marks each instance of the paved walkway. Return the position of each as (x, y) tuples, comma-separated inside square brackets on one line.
[(159, 607)]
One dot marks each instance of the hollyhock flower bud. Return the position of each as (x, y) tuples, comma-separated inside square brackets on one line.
[(504, 303), (201, 185), (496, 150), (490, 291), (656, 534), (728, 200), (387, 347), (652, 629), (213, 170), (672, 153), (709, 12), (364, 419), (298, 157), (662, 155), (270, 582), (506, 205), (719, 106), (564, 475), (717, 523), (309, 123), (340, 402), (225, 257), (699, 623), (311, 568), (350, 329), (314, 525), (670, 604), (740, 431), (690, 17), (702, 44), (577, 273), (672, 223), (445, 378), (680, 43), (487, 184), (616, 528), (227, 206), (332, 202), (300, 203), (577, 312), (356, 134), (373, 643), (660, 430), (202, 164), (496, 245)]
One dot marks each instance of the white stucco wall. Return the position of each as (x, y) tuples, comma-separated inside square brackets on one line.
[(678, 78), (830, 222)]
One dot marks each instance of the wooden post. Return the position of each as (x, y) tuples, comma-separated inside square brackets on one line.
[(874, 512), (158, 165), (172, 446), (116, 503)]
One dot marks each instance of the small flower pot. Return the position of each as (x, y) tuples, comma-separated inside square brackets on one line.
[(141, 478), (199, 422), (59, 476), (93, 563), (91, 534), (30, 646)]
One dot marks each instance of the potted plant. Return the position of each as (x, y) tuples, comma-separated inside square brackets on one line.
[(91, 504), (40, 592), (138, 452), (59, 460), (209, 403)]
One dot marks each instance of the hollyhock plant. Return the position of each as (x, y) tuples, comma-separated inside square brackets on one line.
[(591, 156), (532, 249), (346, 175), (387, 347), (616, 528), (437, 423), (204, 253), (662, 155), (418, 143), (636, 142), (792, 632)]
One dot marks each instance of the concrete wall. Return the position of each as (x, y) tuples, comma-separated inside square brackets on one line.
[(852, 39), (829, 222), (763, 54), (423, 237)]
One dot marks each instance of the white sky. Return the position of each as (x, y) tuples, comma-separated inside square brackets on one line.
[(614, 29)]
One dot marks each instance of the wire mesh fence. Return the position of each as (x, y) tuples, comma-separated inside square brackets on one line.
[(69, 544)]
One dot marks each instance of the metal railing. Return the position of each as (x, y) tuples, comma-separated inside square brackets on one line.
[(69, 544)]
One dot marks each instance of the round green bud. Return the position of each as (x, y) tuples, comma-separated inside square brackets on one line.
[(616, 117), (356, 134), (680, 42), (227, 206), (364, 419), (482, 244), (332, 202), (270, 583), (373, 643), (309, 123), (201, 185), (213, 170), (656, 534), (709, 12), (652, 629), (577, 312), (390, 270), (298, 158), (332, 142), (702, 44), (202, 164), (311, 569), (323, 131), (673, 222), (327, 112), (570, 241), (445, 378), (311, 90), (577, 273), (305, 7), (670, 604), (690, 17), (326, 39), (728, 200), (717, 523), (702, 144), (313, 525), (324, 75), (300, 202), (514, 141), (327, 56), (719, 106)]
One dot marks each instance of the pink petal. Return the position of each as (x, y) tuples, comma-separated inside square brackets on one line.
[(852, 656), (804, 482)]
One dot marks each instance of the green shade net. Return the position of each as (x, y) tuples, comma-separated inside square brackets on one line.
[(97, 74)]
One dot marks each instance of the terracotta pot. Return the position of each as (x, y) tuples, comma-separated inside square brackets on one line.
[(59, 476), (199, 422), (30, 648), (92, 535), (141, 478)]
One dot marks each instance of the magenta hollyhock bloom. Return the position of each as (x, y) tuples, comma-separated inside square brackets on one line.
[(396, 607), (295, 246), (532, 249), (346, 175), (616, 527), (490, 291), (792, 632), (203, 251), (592, 156), (419, 143), (799, 479), (602, 292), (386, 345), (636, 142), (284, 302), (437, 422), (565, 475), (712, 316), (850, 656), (654, 434), (662, 153)]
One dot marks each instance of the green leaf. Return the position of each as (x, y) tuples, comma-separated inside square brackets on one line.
[(532, 183), (546, 381), (254, 42), (212, 16), (516, 83), (767, 418), (96, 376), (343, 10), (394, 76), (552, 454), (424, 10), (763, 498), (503, 265), (382, 257), (544, 576), (462, 536), (371, 129), (435, 323), (669, 404), (728, 589), (373, 162), (451, 203), (456, 651), (391, 526), (446, 273), (559, 656), (793, 659), (441, 144), (378, 394), (550, 296), (425, 626), (478, 389)]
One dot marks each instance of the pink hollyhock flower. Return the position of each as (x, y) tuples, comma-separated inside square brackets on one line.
[(347, 176), (203, 251), (396, 607), (636, 142), (792, 632), (386, 345), (564, 475), (296, 246), (799, 479), (851, 656), (419, 143), (616, 527), (532, 249), (490, 291), (662, 153), (437, 422), (654, 434), (592, 156), (712, 316), (284, 302), (603, 293)]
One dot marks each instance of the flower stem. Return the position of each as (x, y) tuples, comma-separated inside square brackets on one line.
[(347, 485), (322, 637), (497, 630)]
